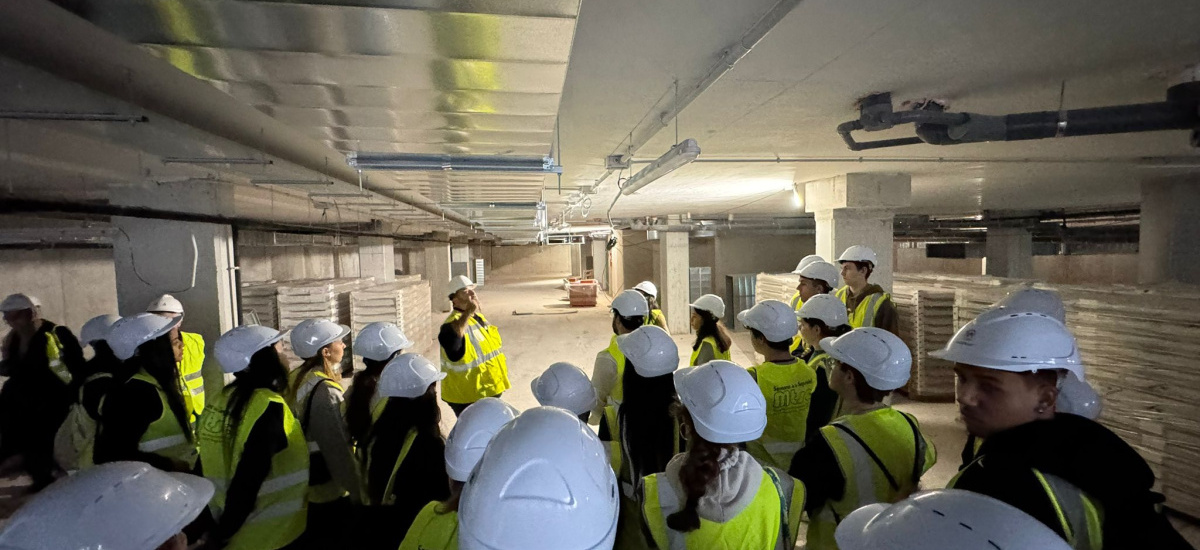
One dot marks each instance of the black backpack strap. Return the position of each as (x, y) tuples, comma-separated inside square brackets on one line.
[(921, 445), (891, 480)]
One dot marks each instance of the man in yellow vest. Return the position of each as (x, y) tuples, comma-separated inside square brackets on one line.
[(191, 362), (872, 453), (471, 356), (867, 304), (785, 381), (629, 313)]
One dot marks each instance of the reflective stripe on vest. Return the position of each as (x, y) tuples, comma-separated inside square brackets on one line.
[(482, 371), (389, 498), (618, 391), (190, 372), (54, 357), (280, 509), (716, 351), (432, 530), (796, 303), (864, 314), (164, 437), (880, 461), (322, 487), (1079, 517), (788, 390)]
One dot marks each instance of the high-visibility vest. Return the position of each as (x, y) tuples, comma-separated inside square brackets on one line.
[(164, 437), (797, 341), (821, 361), (616, 451), (658, 319), (882, 455), (1080, 517), (770, 522), (482, 371), (716, 351), (322, 487), (618, 391), (432, 529), (796, 302), (281, 508), (389, 498), (788, 391), (191, 377), (54, 357), (864, 314)]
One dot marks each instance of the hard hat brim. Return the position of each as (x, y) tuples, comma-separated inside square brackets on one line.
[(829, 346), (850, 531), (203, 491)]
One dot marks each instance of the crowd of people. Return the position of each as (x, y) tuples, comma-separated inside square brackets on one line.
[(125, 450)]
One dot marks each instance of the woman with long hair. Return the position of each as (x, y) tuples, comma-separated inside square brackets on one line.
[(405, 454), (252, 447), (656, 316), (822, 316), (436, 525), (629, 310), (376, 343), (716, 495), (145, 418), (712, 338)]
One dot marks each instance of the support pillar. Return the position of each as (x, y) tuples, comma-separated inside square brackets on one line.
[(377, 258), (576, 260), (1169, 237), (437, 272), (599, 253), (673, 284), (1009, 252), (858, 209)]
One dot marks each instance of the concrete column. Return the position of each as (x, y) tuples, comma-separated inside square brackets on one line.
[(1009, 253), (858, 209), (437, 272), (600, 262), (1169, 241), (377, 258), (673, 279)]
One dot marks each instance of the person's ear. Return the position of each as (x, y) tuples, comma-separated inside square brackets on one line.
[(1047, 398)]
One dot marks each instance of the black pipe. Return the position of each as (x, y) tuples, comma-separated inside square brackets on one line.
[(1123, 119), (846, 127)]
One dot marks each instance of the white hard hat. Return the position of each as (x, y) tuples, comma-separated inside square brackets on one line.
[(945, 519), (805, 261), (313, 334), (725, 402), (1014, 341), (130, 332), (472, 432), (544, 482), (822, 271), (565, 386), (651, 350), (18, 302), (882, 357), (234, 348), (710, 303), (774, 319), (630, 303), (408, 375), (1036, 300), (165, 304), (458, 283), (1076, 396), (647, 287), (859, 253), (126, 505), (96, 329), (379, 341), (826, 307)]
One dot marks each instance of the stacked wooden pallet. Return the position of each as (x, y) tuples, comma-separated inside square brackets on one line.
[(418, 322), (926, 324), (258, 300), (327, 299), (774, 286), (404, 302)]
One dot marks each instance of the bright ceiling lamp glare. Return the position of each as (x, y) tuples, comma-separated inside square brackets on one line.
[(451, 163), (797, 200), (682, 154)]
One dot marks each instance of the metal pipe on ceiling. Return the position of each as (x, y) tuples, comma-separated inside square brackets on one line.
[(1161, 161)]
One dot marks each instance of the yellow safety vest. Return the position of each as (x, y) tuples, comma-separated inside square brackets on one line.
[(822, 361), (618, 391), (191, 377), (322, 487), (770, 522), (788, 390), (864, 314), (281, 509), (797, 303), (388, 497), (658, 319), (482, 371), (882, 455), (54, 353), (164, 437), (616, 453), (716, 351), (432, 529)]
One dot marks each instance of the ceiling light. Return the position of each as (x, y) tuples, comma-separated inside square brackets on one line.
[(73, 117), (683, 153), (456, 163)]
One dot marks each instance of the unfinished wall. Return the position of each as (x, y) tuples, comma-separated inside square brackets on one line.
[(520, 262), (913, 260), (290, 263), (639, 258), (74, 285), (1087, 269), (738, 253)]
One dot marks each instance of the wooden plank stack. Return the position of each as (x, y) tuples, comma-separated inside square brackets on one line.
[(405, 302), (774, 286), (926, 324), (259, 299), (315, 299)]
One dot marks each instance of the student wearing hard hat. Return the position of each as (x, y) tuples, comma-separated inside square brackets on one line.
[(872, 453), (436, 525), (786, 382), (542, 483), (798, 299), (38, 357), (316, 396), (1074, 475), (472, 357), (944, 519), (867, 304), (816, 278), (629, 310), (656, 316), (565, 386), (822, 316), (75, 441), (376, 343), (145, 418), (712, 338), (406, 464), (191, 365), (125, 505), (716, 495), (252, 447)]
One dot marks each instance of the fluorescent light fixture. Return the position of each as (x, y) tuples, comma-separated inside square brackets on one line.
[(291, 182), (451, 163), (494, 205), (215, 160), (683, 153), (72, 117)]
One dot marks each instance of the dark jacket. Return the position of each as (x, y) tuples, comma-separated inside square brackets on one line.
[(886, 317)]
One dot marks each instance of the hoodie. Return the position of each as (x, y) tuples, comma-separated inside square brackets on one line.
[(730, 493), (1087, 455)]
